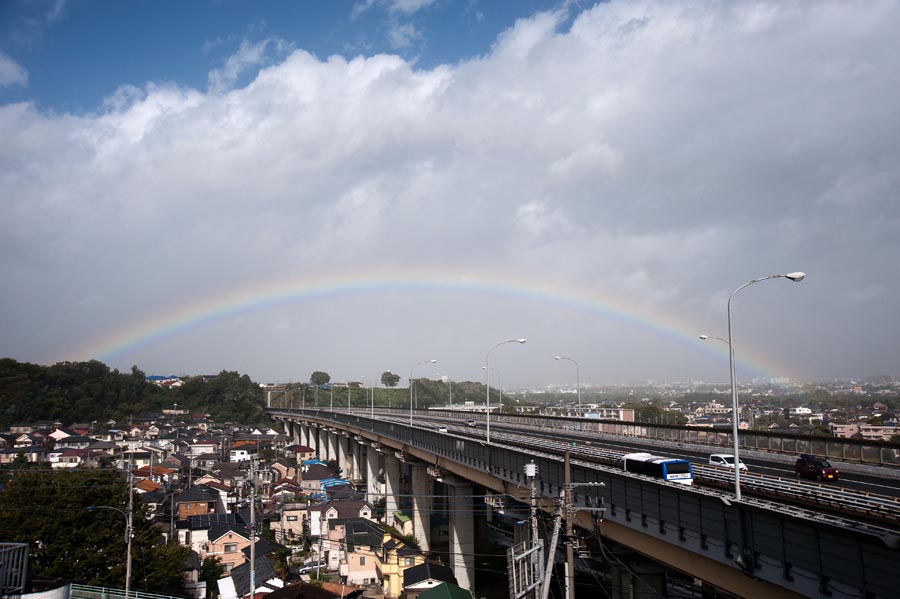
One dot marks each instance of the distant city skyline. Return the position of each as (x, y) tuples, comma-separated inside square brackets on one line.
[(357, 186)]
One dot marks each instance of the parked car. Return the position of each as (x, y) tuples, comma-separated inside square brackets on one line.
[(726, 460), (311, 567), (809, 466), (471, 423), (442, 429)]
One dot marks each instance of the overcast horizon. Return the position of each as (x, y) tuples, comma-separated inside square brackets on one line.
[(363, 186)]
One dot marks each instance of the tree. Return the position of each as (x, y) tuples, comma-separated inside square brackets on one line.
[(319, 378), (335, 467), (211, 571), (389, 379), (67, 541)]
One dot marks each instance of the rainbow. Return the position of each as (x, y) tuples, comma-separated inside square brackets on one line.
[(267, 294)]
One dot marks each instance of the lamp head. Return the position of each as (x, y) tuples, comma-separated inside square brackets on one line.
[(433, 361), (521, 340), (557, 357), (704, 337), (796, 276)]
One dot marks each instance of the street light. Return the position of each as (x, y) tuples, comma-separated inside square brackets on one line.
[(793, 276), (487, 386), (705, 337), (499, 381), (128, 535), (577, 379), (411, 386)]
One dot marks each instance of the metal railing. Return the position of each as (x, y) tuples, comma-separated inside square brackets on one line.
[(84, 591)]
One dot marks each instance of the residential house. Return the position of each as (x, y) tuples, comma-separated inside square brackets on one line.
[(320, 513), (285, 469), (361, 542), (292, 522), (236, 585), (202, 447), (226, 542), (194, 532), (73, 458), (424, 577), (73, 442), (300, 453), (396, 558), (448, 590), (312, 475), (243, 451), (32, 454), (285, 489), (57, 434), (198, 501)]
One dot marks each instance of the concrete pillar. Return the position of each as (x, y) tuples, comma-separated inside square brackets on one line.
[(373, 489), (391, 486), (462, 532), (344, 449), (356, 458), (422, 491), (305, 436), (332, 445)]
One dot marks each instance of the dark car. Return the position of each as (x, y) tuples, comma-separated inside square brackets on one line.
[(809, 466)]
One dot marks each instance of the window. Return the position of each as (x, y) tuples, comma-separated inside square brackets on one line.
[(409, 561), (230, 547), (362, 560), (187, 506), (292, 518)]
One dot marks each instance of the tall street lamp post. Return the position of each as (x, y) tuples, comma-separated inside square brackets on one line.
[(487, 386), (128, 535), (577, 380), (411, 386), (735, 414)]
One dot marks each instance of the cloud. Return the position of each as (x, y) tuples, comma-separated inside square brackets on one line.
[(656, 153), (11, 73), (402, 35), (248, 55), (405, 7)]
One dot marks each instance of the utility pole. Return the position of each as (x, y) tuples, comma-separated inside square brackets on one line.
[(570, 529), (568, 510), (253, 526)]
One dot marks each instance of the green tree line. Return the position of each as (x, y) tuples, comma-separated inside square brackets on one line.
[(87, 391)]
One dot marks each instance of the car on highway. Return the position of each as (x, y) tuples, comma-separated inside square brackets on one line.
[(471, 423), (442, 429), (809, 466), (726, 460)]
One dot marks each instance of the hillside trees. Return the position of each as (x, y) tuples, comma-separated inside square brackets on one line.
[(67, 541)]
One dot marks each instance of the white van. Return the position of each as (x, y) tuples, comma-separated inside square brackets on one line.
[(726, 460)]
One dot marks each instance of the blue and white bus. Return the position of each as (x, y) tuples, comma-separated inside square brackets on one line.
[(671, 469)]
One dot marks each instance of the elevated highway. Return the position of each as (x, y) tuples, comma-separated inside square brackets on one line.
[(787, 540)]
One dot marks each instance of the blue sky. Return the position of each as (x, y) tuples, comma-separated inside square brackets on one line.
[(163, 160), (77, 52)]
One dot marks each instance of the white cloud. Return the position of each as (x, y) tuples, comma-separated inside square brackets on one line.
[(402, 35), (664, 152), (406, 7), (247, 56), (11, 72)]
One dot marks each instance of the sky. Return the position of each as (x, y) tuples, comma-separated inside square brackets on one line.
[(283, 187)]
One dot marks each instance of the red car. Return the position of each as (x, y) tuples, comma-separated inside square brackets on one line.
[(809, 466)]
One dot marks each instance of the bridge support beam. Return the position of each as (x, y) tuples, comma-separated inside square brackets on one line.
[(462, 532), (391, 487), (422, 491), (373, 489), (343, 456)]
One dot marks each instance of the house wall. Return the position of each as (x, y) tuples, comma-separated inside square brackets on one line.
[(228, 548)]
